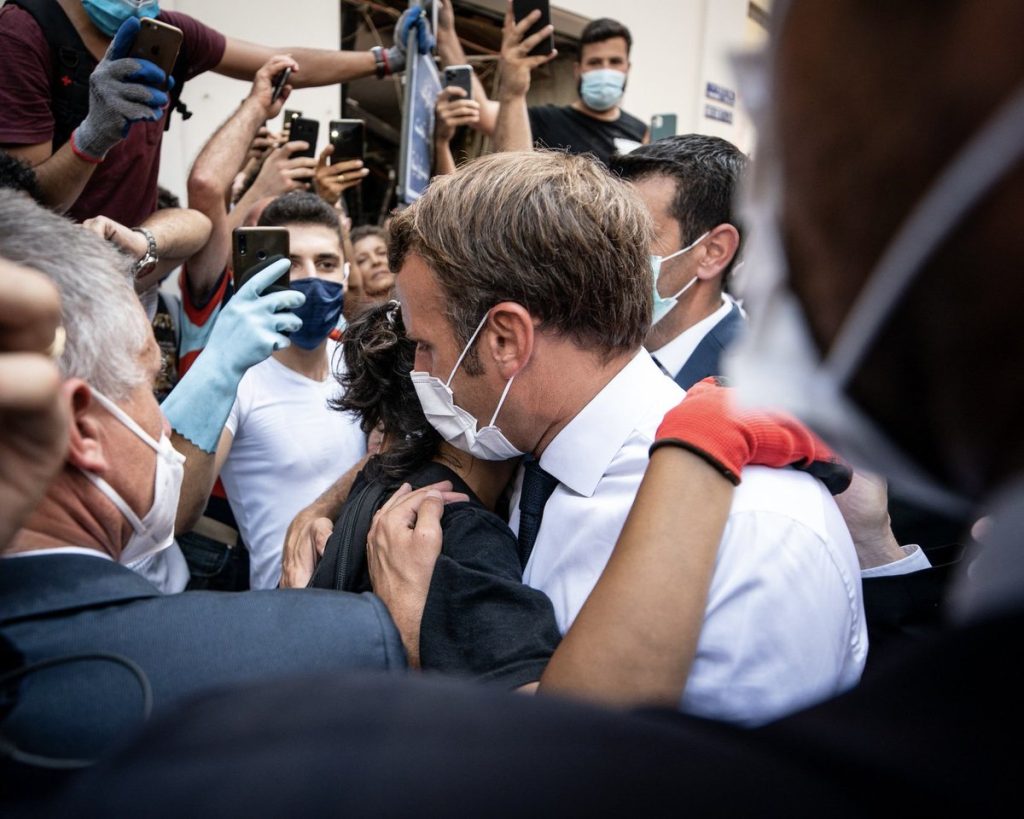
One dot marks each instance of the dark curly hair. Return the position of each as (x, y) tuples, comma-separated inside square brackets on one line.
[(376, 386)]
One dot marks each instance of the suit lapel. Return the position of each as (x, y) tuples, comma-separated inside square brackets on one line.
[(705, 360)]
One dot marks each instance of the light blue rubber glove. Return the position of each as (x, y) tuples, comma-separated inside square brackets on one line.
[(249, 328), (122, 91), (412, 17)]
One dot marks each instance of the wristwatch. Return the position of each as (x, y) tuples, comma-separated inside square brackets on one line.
[(149, 260), (380, 57)]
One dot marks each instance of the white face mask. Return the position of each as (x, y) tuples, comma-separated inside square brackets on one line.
[(453, 423), (663, 304), (777, 364), (154, 532)]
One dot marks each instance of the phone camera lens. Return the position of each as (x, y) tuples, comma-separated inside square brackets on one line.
[(261, 255)]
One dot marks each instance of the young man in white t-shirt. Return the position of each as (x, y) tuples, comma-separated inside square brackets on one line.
[(283, 444)]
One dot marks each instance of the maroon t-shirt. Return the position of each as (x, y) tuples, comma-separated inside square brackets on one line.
[(123, 186)]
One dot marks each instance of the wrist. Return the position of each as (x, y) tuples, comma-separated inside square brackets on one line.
[(879, 549)]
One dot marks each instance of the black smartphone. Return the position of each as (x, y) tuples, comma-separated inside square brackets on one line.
[(280, 81), (348, 136), (521, 8), (251, 246), (460, 76), (157, 42), (308, 130)]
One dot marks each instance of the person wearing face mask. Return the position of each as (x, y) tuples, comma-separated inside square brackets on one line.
[(594, 124), (282, 445), (86, 116), (64, 585), (688, 183), (518, 357)]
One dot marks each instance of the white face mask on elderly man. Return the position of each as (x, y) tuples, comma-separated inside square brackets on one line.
[(457, 426), (155, 531), (777, 363)]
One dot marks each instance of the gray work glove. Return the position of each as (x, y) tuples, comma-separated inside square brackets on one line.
[(122, 91), (412, 17)]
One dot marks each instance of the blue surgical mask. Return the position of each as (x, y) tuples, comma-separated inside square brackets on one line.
[(663, 304), (108, 15), (320, 312), (602, 88)]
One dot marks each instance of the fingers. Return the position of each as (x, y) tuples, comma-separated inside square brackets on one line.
[(536, 39), (319, 533), (29, 310), (28, 382), (326, 152), (297, 145), (266, 277), (150, 74), (124, 39), (451, 93)]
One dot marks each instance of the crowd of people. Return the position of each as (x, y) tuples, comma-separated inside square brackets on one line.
[(466, 516)]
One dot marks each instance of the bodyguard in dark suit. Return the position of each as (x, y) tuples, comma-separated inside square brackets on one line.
[(688, 183)]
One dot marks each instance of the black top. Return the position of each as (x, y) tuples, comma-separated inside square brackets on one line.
[(479, 620), (564, 128)]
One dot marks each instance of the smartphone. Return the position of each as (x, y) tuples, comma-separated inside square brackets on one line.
[(348, 136), (157, 42), (280, 81), (251, 246), (460, 76), (521, 8), (308, 130), (662, 125)]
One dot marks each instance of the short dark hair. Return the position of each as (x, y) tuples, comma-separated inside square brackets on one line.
[(604, 28), (377, 389), (706, 170), (299, 208), (19, 176)]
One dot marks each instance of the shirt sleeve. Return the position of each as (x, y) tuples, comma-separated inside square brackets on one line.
[(205, 45), (480, 620), (26, 117), (915, 561)]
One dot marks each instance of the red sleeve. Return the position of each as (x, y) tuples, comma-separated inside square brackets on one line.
[(205, 45), (197, 313), (25, 66)]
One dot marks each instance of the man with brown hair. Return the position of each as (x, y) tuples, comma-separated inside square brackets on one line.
[(524, 281)]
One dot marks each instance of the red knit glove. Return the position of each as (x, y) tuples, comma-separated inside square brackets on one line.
[(708, 424)]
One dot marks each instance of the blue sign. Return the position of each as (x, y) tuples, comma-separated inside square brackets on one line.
[(720, 93), (716, 113), (416, 151)]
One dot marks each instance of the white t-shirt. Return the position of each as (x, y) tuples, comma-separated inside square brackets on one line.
[(288, 447)]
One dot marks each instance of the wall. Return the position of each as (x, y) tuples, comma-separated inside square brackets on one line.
[(679, 46)]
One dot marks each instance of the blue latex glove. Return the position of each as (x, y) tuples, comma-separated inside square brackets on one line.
[(122, 91), (249, 328), (412, 18)]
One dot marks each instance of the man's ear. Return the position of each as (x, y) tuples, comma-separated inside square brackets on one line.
[(719, 250), (85, 445), (509, 337)]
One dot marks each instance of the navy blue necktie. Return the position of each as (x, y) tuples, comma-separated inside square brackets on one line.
[(537, 488)]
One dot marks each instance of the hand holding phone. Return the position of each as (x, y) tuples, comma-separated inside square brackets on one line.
[(280, 81), (348, 137), (306, 130), (459, 76), (521, 9)]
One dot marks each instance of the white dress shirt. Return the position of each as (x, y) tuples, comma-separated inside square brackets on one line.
[(784, 625), (677, 352)]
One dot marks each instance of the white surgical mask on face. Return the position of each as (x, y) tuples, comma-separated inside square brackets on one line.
[(453, 423), (777, 364), (663, 304), (155, 531)]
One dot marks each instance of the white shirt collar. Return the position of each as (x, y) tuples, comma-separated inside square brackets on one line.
[(580, 454), (677, 352)]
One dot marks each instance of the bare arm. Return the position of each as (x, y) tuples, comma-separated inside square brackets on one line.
[(626, 647), (450, 51), (215, 168), (307, 535), (318, 66), (512, 127), (178, 233), (62, 176)]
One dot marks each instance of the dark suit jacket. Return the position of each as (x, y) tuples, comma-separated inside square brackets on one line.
[(61, 605), (706, 358)]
